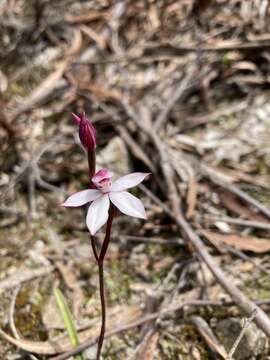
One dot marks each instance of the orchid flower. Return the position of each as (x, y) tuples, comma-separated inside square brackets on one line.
[(104, 195), (107, 191)]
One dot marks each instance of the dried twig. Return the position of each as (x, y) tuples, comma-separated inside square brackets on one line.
[(216, 179), (22, 276), (167, 49), (154, 299), (247, 322), (209, 336), (184, 85), (12, 311), (30, 168), (238, 221), (11, 317)]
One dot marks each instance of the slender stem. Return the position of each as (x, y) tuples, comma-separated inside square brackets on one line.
[(94, 248), (100, 261), (91, 156), (103, 309), (107, 238)]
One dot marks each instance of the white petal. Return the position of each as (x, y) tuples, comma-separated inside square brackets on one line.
[(128, 181), (98, 213), (128, 204), (82, 197)]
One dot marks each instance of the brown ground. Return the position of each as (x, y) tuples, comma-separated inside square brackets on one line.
[(177, 88)]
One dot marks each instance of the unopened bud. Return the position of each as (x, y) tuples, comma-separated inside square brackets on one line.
[(87, 132)]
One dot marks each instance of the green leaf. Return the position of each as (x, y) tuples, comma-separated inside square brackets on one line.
[(68, 321)]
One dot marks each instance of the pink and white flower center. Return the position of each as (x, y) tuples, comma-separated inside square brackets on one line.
[(103, 180)]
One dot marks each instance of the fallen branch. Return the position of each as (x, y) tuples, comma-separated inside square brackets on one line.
[(22, 276), (237, 221), (167, 52), (217, 179), (168, 49)]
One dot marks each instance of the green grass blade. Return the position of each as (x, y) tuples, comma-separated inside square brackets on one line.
[(68, 321)]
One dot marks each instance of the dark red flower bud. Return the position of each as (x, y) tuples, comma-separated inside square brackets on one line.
[(87, 132)]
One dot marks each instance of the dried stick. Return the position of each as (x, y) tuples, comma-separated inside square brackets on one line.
[(247, 322), (30, 164), (216, 179), (12, 311), (185, 84), (134, 147), (173, 51), (237, 221), (206, 332), (243, 256), (168, 52), (247, 198), (152, 303), (11, 317)]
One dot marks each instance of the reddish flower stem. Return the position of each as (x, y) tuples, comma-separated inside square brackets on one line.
[(94, 248), (103, 309), (91, 157), (100, 261), (108, 234)]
